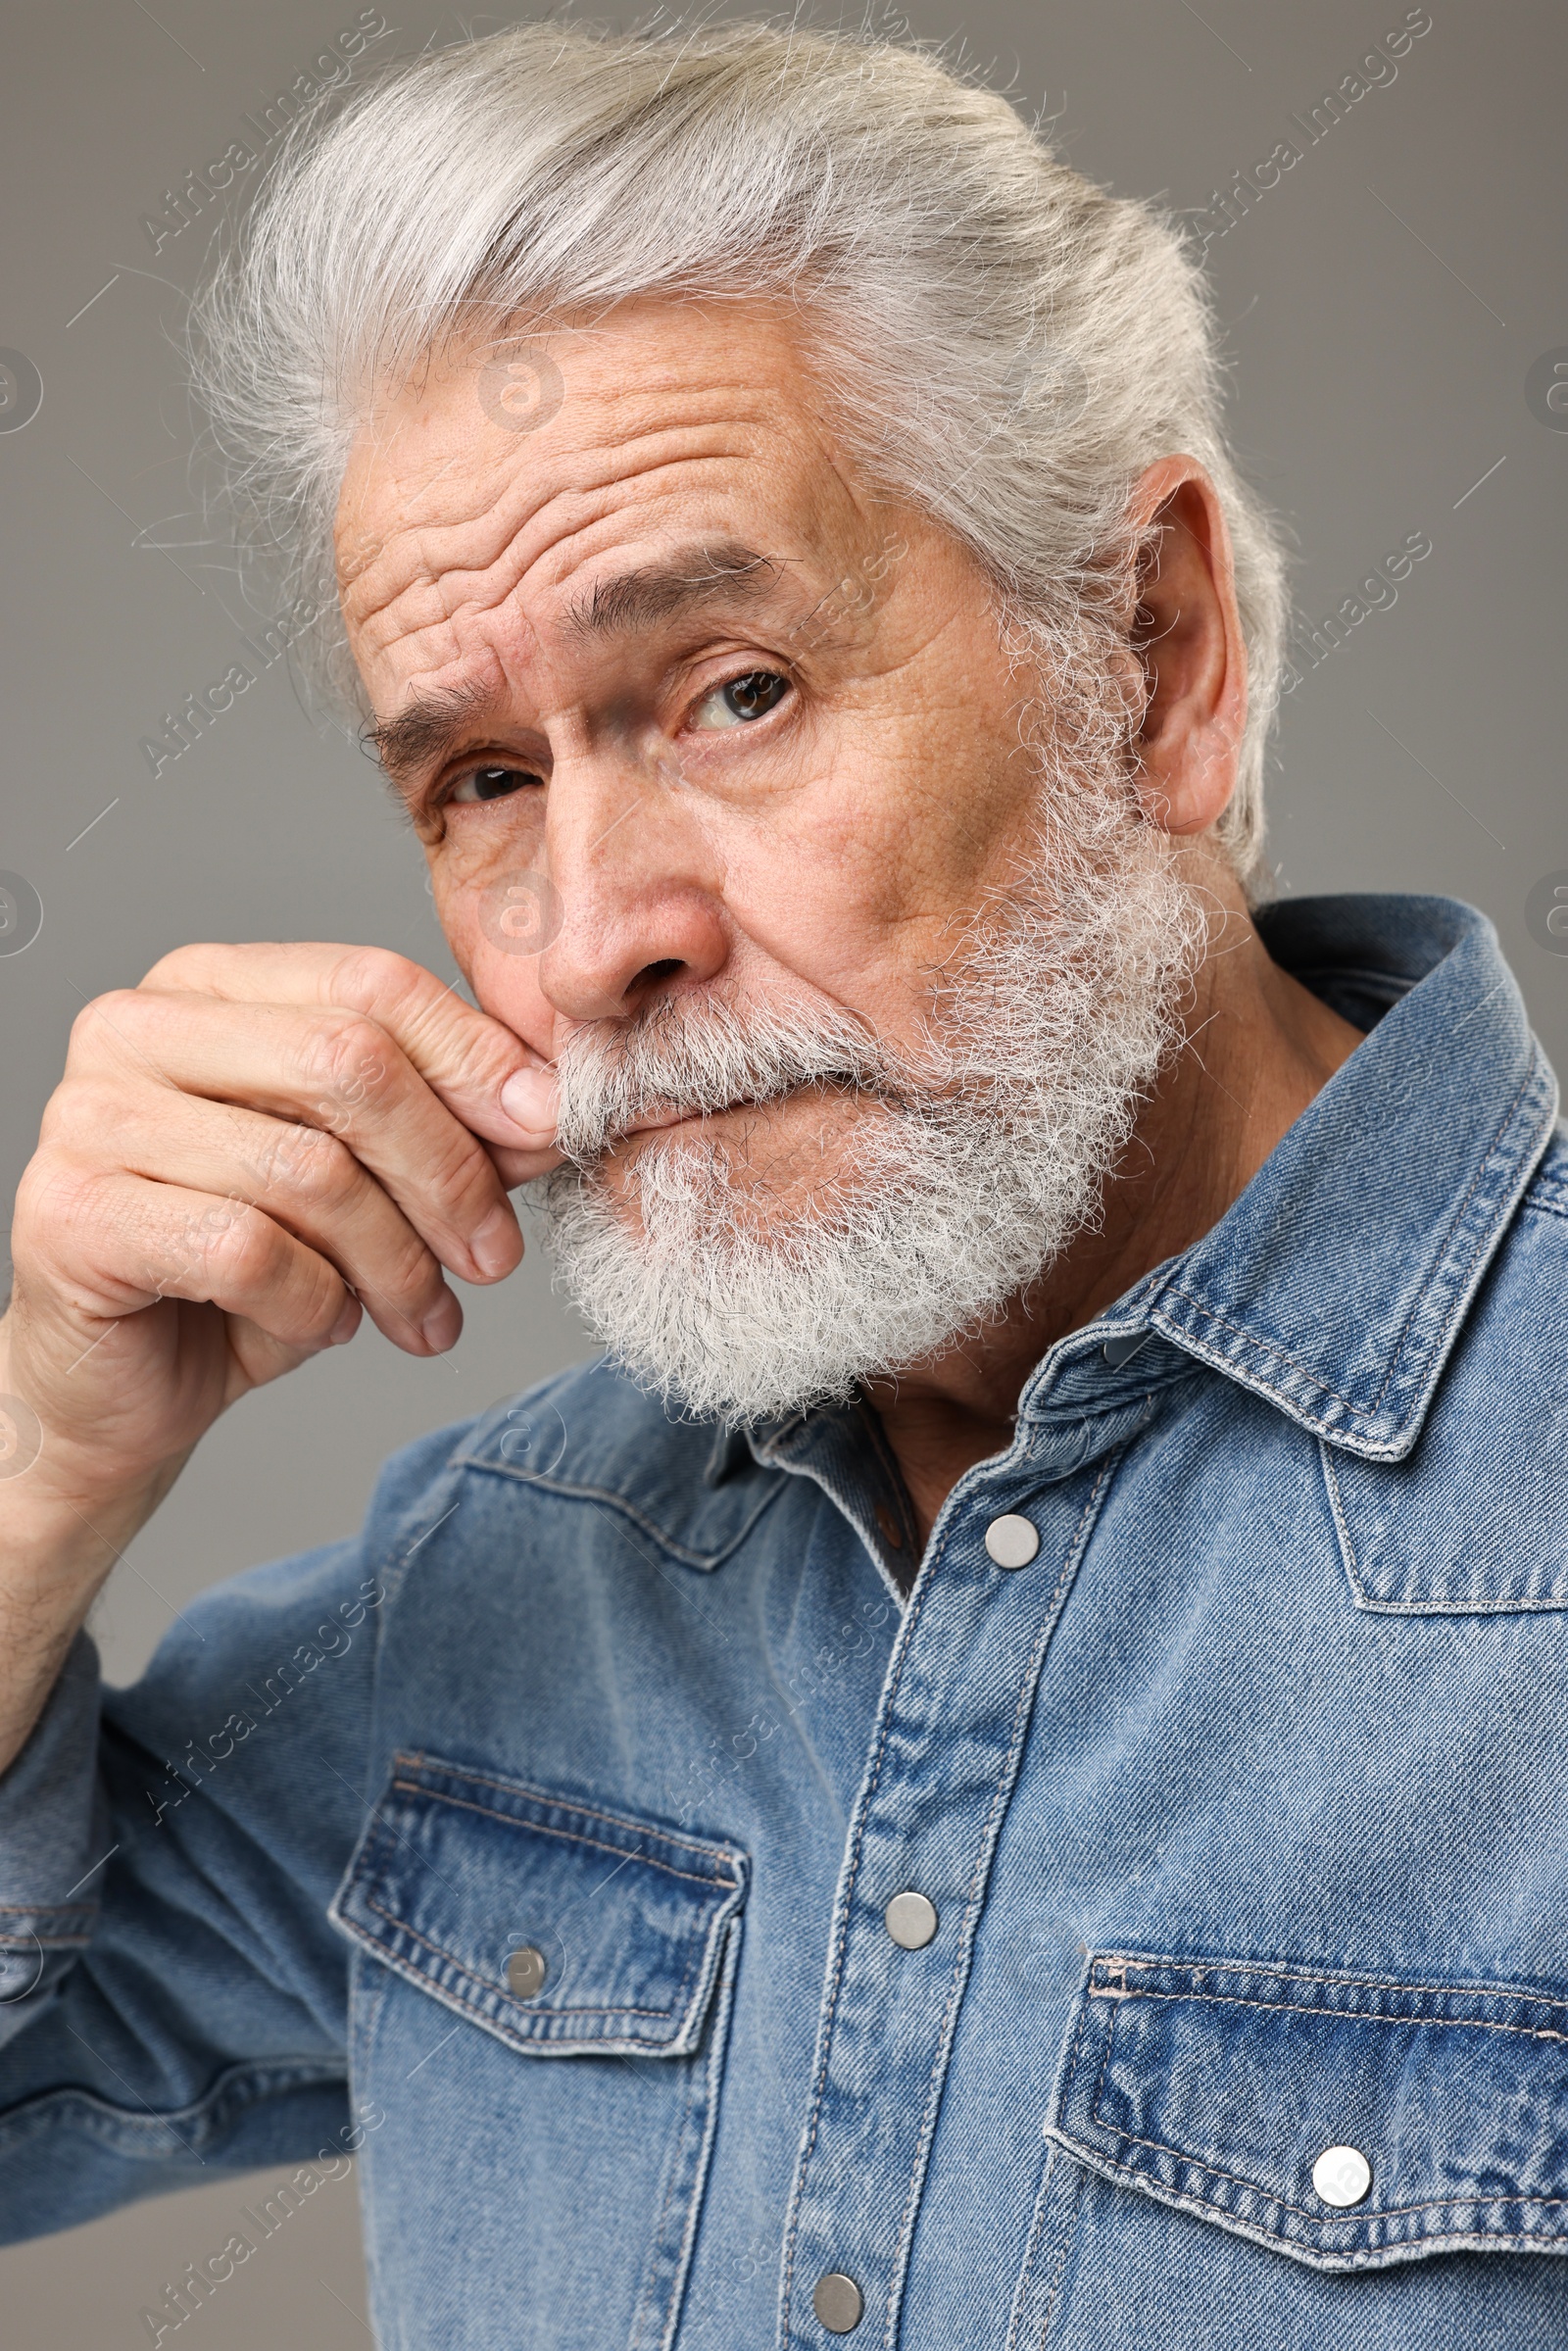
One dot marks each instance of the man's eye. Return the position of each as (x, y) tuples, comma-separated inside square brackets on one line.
[(492, 783), (742, 699)]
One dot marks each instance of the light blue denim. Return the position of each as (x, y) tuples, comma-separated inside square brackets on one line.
[(1242, 1806)]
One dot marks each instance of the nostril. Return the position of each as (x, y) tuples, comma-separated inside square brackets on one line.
[(651, 974)]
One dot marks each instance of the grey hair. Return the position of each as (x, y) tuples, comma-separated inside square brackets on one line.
[(1003, 344)]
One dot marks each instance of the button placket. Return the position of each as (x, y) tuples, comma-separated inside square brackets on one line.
[(953, 1719)]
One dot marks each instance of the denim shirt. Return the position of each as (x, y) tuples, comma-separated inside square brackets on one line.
[(540, 1844)]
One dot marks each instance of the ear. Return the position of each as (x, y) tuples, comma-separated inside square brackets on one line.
[(1187, 638)]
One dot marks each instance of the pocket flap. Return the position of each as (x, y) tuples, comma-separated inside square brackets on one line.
[(560, 1927), (1217, 2086)]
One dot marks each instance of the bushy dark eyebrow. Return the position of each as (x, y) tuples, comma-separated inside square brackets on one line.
[(691, 577), (421, 732), (431, 725)]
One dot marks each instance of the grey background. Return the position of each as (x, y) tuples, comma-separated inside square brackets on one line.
[(1383, 304)]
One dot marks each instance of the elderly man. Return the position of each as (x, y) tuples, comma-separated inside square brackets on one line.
[(994, 1773)]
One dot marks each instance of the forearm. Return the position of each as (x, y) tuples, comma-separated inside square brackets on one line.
[(166, 1866)]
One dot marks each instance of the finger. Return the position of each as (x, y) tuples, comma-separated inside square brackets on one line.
[(302, 1178), (119, 1242), (521, 1167), (491, 1079), (261, 1359), (322, 1067)]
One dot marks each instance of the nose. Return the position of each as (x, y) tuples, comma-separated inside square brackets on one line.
[(637, 886)]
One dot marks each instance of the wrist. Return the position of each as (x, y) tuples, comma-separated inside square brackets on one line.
[(56, 1478)]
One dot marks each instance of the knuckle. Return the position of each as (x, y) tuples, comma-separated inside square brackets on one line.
[(248, 1259), (459, 1169), (86, 1113), (179, 969), (99, 1027), (238, 1243), (409, 999), (344, 1060), (57, 1198), (311, 1164), (375, 975), (409, 1271)]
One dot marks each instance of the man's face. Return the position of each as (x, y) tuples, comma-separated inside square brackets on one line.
[(708, 717), (719, 769)]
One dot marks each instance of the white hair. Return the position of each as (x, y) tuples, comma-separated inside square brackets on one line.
[(1001, 343)]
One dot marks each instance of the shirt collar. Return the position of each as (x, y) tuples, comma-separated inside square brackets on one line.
[(1337, 1283), (846, 1452)]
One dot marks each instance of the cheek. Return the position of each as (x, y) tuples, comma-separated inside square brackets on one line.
[(488, 871), (498, 912), (812, 892), (858, 891)]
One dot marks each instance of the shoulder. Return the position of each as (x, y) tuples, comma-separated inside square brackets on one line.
[(1474, 1519), (585, 1437)]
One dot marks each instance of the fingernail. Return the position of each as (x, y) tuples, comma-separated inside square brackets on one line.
[(442, 1324), (494, 1242), (347, 1323), (528, 1098)]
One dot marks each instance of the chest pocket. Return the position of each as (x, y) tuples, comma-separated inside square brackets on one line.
[(1348, 2124), (561, 1929)]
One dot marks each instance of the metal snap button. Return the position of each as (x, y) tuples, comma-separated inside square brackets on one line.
[(1012, 1541), (1123, 1347), (838, 2302), (1342, 2176), (526, 1971), (911, 1919)]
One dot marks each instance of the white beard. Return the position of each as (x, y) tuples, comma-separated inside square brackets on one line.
[(974, 1166)]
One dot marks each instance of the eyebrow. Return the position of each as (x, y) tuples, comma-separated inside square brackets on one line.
[(426, 729), (692, 577), (430, 725)]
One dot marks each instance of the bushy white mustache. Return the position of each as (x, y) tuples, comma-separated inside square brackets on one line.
[(697, 1056)]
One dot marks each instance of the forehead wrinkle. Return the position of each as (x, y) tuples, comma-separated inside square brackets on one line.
[(426, 618), (410, 552), (693, 576)]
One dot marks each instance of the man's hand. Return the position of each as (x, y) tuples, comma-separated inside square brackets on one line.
[(248, 1153)]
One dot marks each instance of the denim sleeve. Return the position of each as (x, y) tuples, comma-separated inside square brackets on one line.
[(171, 1998)]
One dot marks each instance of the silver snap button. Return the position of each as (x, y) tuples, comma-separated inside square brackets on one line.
[(1123, 1347), (838, 2302), (912, 1921), (526, 1971), (1012, 1541), (1342, 2176)]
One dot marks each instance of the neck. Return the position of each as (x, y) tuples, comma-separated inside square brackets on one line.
[(1259, 1047)]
